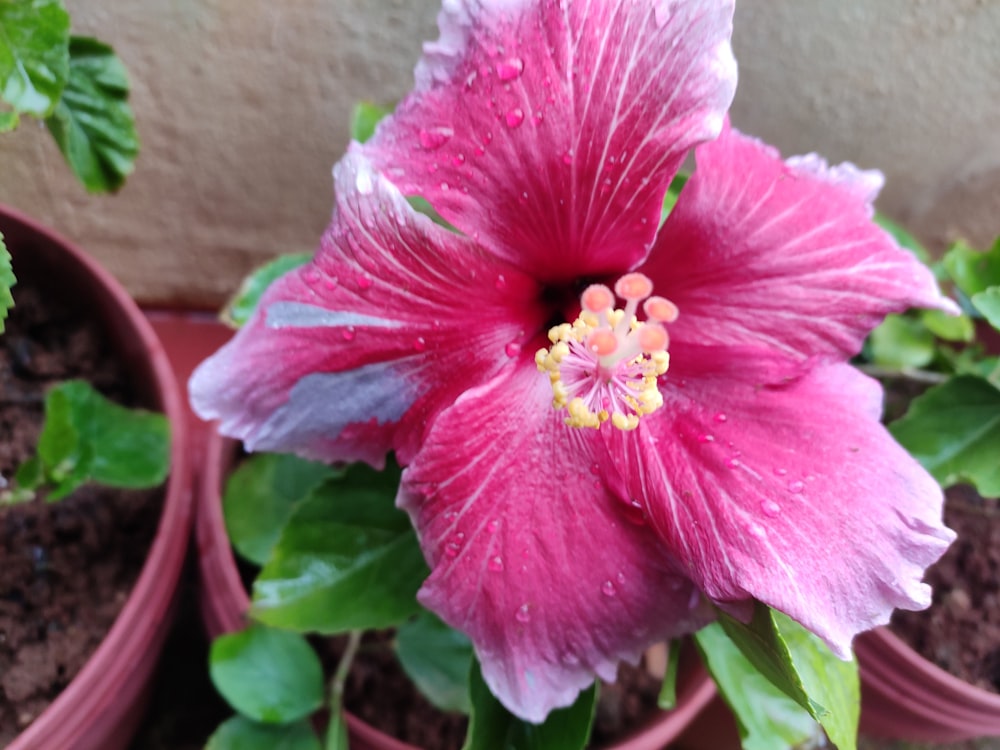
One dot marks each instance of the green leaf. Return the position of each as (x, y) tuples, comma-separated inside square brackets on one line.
[(672, 194), (953, 430), (973, 271), (901, 342), (30, 475), (493, 727), (261, 495), (336, 733), (7, 282), (347, 559), (8, 121), (92, 122), (270, 676), (87, 437), (949, 327), (905, 239), (365, 117), (801, 665), (240, 733), (34, 62), (667, 698), (438, 659), (243, 304), (768, 719), (988, 303)]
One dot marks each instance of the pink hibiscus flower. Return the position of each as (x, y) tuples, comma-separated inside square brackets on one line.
[(749, 464)]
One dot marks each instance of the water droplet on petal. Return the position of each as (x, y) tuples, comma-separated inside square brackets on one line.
[(770, 508), (330, 283), (515, 117), (796, 487), (348, 333), (450, 516), (458, 160), (620, 577), (432, 139), (523, 613), (755, 529), (732, 463), (781, 472), (419, 345), (595, 468), (508, 70), (706, 438), (495, 564), (512, 349), (493, 526), (500, 283), (365, 283), (720, 417), (608, 589), (451, 550)]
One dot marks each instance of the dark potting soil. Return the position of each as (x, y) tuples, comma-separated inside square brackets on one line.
[(379, 693), (66, 568), (961, 630)]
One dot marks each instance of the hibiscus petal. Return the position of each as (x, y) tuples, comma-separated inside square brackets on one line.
[(785, 254), (792, 495), (550, 131), (349, 356), (552, 578)]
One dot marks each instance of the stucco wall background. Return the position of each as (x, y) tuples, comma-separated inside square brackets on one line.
[(243, 106)]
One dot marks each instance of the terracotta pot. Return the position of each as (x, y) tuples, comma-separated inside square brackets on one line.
[(102, 707), (224, 603)]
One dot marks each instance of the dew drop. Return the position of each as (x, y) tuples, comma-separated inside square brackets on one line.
[(770, 508), (420, 344), (311, 275), (620, 578), (451, 516), (458, 160), (706, 438), (595, 469), (661, 12), (365, 283), (732, 463), (348, 333), (451, 550), (796, 487), (495, 564), (720, 417), (608, 588), (515, 117), (508, 70), (781, 472), (523, 613), (512, 349), (330, 283), (493, 526), (755, 529), (432, 139), (501, 283)]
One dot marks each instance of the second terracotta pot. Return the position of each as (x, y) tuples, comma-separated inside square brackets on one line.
[(224, 603)]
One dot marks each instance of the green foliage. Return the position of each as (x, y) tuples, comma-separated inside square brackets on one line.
[(261, 495), (365, 118), (802, 667), (269, 676), (973, 271), (86, 437), (92, 122), (768, 719), (667, 697), (954, 431), (901, 341), (438, 659), (905, 239), (244, 303), (346, 560), (672, 194), (34, 56), (240, 733), (988, 303), (7, 282), (493, 727)]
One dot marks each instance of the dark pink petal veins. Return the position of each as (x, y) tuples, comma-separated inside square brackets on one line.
[(355, 353), (554, 579), (782, 254), (550, 130), (793, 495)]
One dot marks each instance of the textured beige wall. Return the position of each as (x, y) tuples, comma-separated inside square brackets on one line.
[(243, 107)]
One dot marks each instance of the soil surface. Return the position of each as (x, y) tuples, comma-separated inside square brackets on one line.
[(65, 568), (961, 630), (379, 693)]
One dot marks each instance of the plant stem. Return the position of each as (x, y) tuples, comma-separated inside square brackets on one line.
[(908, 373), (336, 732)]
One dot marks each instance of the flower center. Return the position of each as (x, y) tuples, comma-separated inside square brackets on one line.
[(604, 365)]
